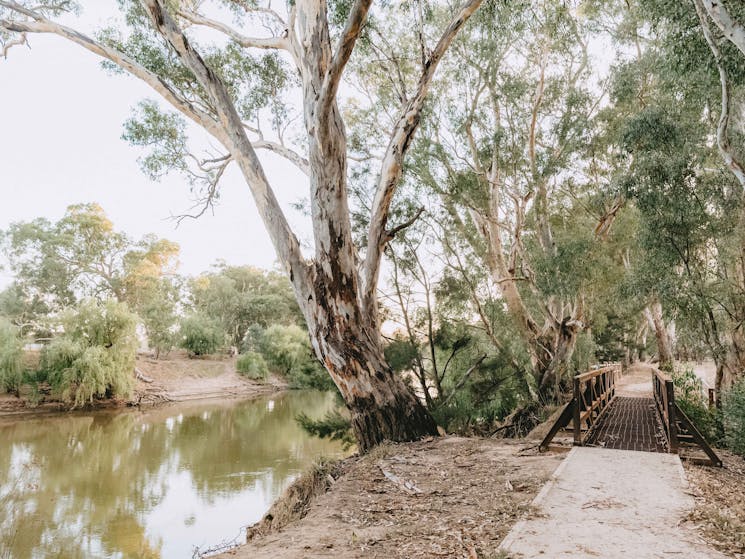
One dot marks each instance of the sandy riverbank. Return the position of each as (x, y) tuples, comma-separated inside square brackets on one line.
[(175, 378)]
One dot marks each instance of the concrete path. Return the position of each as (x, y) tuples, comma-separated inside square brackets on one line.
[(611, 504)]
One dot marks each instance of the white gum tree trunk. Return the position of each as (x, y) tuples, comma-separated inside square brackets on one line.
[(337, 294)]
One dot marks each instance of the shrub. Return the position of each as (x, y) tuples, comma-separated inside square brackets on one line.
[(252, 365), (201, 335), (286, 350), (689, 396), (95, 357), (11, 357), (733, 417)]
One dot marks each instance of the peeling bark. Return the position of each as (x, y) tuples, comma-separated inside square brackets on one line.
[(653, 313), (725, 149), (733, 30), (339, 304)]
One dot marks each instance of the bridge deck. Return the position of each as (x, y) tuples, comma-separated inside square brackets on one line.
[(629, 423)]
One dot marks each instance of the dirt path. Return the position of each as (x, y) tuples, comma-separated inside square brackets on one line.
[(449, 497), (636, 382), (613, 504)]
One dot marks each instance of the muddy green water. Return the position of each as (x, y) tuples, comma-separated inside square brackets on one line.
[(150, 485)]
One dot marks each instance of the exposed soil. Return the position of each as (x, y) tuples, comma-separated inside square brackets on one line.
[(445, 497), (720, 503), (175, 378)]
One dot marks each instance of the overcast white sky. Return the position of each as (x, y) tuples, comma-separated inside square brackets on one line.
[(61, 120)]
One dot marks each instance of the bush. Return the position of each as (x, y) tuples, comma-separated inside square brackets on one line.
[(11, 357), (252, 365), (733, 417), (689, 396), (95, 357), (201, 335), (286, 350)]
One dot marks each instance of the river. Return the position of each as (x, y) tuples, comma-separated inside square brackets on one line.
[(154, 484)]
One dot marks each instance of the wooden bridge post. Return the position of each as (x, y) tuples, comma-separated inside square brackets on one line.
[(671, 419)]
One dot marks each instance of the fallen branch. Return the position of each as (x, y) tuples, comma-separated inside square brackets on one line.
[(139, 375), (407, 486)]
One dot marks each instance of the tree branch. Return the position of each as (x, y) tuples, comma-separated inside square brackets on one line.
[(275, 43), (235, 139), (725, 149), (391, 233), (21, 40), (733, 30), (295, 158), (392, 166), (464, 378), (351, 33), (41, 24)]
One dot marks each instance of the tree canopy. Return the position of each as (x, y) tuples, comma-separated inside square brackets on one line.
[(495, 201)]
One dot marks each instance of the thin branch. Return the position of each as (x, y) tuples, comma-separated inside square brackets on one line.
[(295, 158), (235, 139), (21, 40), (392, 167), (391, 233), (464, 378), (41, 24), (725, 149), (272, 43), (352, 31), (733, 30), (207, 202)]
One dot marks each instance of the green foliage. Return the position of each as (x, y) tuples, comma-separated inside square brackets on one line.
[(58, 264), (689, 396), (11, 357), (158, 314), (287, 351), (333, 426), (95, 357), (200, 334), (733, 417), (492, 391), (252, 365), (241, 296), (400, 354)]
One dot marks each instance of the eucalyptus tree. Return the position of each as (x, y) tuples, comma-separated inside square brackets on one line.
[(82, 255), (682, 158), (505, 151), (730, 23), (220, 89), (241, 296)]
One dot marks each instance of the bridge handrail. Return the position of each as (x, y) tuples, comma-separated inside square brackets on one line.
[(664, 399), (583, 385), (592, 392)]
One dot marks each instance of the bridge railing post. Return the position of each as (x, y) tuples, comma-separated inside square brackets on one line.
[(671, 419)]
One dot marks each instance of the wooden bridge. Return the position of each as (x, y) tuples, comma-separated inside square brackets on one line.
[(638, 413)]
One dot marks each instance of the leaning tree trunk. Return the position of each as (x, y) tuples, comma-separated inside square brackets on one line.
[(382, 406), (653, 313), (338, 299), (552, 354)]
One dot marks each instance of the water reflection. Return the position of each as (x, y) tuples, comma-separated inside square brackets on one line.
[(150, 485)]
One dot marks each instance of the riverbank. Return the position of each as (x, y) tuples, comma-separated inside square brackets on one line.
[(453, 497), (442, 497), (175, 378)]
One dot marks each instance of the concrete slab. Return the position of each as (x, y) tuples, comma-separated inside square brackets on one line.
[(613, 504)]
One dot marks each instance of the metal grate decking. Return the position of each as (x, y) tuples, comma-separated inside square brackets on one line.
[(629, 424)]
